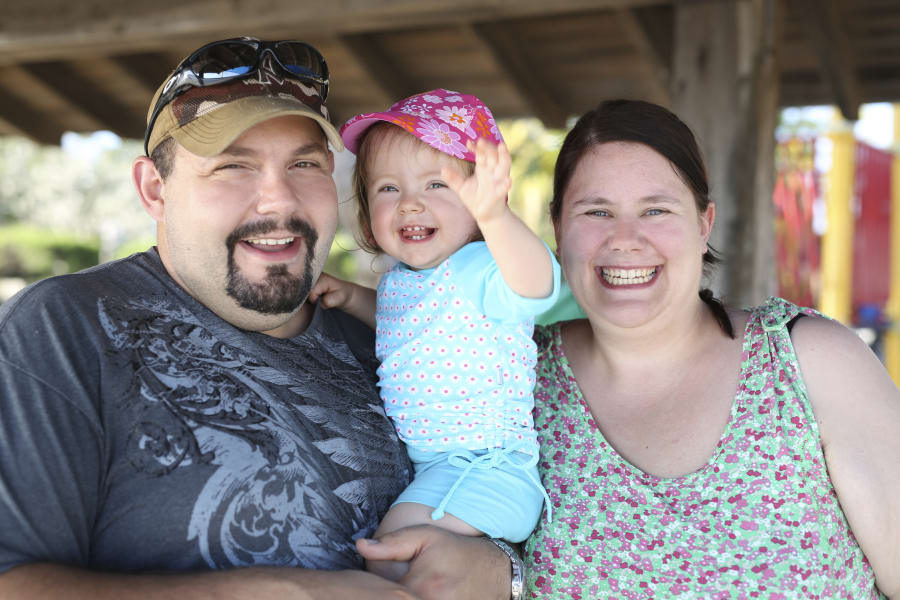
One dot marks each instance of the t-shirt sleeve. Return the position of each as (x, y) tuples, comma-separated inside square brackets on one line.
[(481, 280), (50, 446)]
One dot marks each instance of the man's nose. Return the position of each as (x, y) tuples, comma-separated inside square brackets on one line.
[(276, 194)]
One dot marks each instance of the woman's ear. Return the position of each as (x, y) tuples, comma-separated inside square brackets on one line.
[(707, 220), (149, 186)]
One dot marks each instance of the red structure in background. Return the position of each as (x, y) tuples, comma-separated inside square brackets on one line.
[(872, 236), (796, 244)]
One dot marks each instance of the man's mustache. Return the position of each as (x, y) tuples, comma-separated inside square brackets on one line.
[(295, 225)]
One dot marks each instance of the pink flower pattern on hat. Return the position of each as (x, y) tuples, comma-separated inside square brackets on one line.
[(438, 135), (456, 116), (443, 119)]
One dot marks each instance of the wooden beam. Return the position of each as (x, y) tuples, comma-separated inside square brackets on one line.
[(98, 27), (502, 44), (655, 67), (385, 74), (87, 97), (24, 119), (837, 59), (146, 69), (725, 87)]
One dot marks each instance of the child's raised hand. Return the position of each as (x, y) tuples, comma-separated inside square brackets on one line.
[(484, 193), (334, 292)]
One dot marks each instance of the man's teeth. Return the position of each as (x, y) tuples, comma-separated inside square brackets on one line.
[(628, 276), (270, 242)]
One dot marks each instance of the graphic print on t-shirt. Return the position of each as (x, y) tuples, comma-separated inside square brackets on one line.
[(302, 459)]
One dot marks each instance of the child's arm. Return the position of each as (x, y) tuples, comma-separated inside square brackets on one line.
[(353, 299), (520, 254)]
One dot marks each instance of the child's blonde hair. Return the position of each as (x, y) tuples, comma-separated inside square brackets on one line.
[(371, 139)]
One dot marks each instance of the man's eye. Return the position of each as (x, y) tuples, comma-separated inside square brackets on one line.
[(307, 164), (655, 211), (597, 213)]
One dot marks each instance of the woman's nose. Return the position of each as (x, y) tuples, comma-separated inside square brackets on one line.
[(626, 236)]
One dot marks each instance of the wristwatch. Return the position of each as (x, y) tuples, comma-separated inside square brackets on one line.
[(517, 581)]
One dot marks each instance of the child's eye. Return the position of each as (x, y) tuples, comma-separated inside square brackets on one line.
[(436, 185), (388, 188)]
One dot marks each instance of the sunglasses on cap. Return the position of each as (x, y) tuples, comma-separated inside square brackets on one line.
[(228, 60)]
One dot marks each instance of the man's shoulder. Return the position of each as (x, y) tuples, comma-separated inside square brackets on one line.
[(63, 304)]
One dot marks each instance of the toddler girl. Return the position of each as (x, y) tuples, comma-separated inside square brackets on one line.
[(454, 318)]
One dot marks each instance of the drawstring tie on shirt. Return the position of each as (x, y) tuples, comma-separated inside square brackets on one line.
[(493, 458)]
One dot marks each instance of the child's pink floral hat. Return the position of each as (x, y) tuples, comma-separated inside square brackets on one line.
[(442, 119)]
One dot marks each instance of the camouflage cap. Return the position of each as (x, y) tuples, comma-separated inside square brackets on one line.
[(206, 120)]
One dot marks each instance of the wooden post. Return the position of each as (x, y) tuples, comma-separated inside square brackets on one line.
[(892, 310), (725, 87), (837, 243)]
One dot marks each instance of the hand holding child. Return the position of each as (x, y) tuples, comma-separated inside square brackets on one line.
[(484, 193)]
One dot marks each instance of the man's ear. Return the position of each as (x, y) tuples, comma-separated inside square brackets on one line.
[(149, 186)]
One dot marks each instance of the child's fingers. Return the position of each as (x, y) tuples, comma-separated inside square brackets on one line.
[(452, 177), (503, 158), (485, 156)]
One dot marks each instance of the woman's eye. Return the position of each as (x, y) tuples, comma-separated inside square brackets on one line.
[(597, 213), (306, 164), (655, 211)]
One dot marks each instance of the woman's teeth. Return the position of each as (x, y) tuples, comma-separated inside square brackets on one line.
[(627, 276)]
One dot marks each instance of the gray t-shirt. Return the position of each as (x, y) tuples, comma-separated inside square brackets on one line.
[(141, 432)]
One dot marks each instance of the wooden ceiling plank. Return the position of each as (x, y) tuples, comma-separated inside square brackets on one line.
[(85, 96), (837, 60), (385, 74), (502, 44), (146, 69), (656, 70), (102, 27), (30, 123)]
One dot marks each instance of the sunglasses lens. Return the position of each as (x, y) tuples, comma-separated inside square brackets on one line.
[(224, 61), (301, 59)]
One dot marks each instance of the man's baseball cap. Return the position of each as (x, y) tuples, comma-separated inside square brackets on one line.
[(209, 118)]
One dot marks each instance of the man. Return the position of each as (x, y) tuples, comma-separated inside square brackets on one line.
[(170, 417)]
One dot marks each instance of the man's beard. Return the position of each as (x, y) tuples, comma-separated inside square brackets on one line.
[(279, 292)]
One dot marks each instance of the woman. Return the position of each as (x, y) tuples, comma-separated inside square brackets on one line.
[(690, 450)]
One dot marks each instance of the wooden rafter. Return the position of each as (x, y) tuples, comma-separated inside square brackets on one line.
[(27, 121), (84, 95), (145, 69), (837, 59), (655, 67), (385, 74), (110, 27), (506, 51)]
